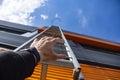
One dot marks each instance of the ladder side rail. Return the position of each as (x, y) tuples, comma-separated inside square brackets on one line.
[(70, 53), (29, 41), (77, 67)]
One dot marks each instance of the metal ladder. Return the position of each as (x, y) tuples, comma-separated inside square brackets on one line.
[(71, 62)]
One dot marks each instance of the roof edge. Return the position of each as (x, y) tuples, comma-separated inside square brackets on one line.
[(82, 39)]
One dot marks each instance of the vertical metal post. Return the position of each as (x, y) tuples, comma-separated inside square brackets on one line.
[(44, 72), (81, 77)]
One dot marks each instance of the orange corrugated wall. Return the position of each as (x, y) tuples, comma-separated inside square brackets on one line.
[(54, 73), (99, 73), (89, 73)]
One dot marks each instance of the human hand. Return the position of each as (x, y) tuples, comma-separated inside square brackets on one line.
[(45, 47)]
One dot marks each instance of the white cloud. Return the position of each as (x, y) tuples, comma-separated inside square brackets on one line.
[(82, 18), (43, 16), (19, 11), (56, 15)]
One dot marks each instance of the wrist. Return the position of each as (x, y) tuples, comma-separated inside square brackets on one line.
[(35, 53)]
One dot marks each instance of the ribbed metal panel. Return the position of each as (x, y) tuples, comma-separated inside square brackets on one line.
[(90, 73), (54, 73), (99, 73)]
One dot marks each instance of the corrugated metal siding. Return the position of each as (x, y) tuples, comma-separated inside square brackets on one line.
[(89, 73), (54, 73), (99, 73)]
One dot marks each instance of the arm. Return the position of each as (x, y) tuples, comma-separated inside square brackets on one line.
[(19, 65), (16, 66)]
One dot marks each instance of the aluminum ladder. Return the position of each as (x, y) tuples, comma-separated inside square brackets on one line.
[(71, 62)]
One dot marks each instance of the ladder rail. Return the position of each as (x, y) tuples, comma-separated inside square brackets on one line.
[(76, 64), (29, 41), (71, 54)]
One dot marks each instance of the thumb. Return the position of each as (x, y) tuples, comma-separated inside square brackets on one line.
[(34, 42), (60, 56)]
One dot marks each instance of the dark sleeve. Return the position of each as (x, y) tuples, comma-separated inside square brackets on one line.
[(16, 66)]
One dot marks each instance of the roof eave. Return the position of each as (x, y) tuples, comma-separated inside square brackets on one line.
[(90, 41)]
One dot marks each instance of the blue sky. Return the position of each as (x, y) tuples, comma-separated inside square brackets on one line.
[(96, 18)]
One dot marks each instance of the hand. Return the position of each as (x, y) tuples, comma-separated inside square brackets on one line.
[(45, 47)]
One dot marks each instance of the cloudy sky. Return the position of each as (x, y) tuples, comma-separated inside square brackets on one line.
[(96, 18)]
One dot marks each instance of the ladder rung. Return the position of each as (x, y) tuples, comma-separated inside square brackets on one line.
[(60, 62)]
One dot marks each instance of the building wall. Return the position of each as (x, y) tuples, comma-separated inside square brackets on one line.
[(54, 73), (89, 72), (84, 54), (13, 35), (99, 73), (99, 56)]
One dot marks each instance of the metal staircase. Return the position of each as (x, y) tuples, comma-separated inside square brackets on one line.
[(60, 47)]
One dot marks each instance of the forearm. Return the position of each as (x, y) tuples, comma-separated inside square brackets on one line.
[(16, 65)]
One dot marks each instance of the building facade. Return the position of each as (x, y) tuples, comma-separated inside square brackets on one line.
[(99, 59)]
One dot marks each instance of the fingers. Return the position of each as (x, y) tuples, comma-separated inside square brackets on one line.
[(56, 40), (45, 48), (43, 38), (34, 42), (50, 40)]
